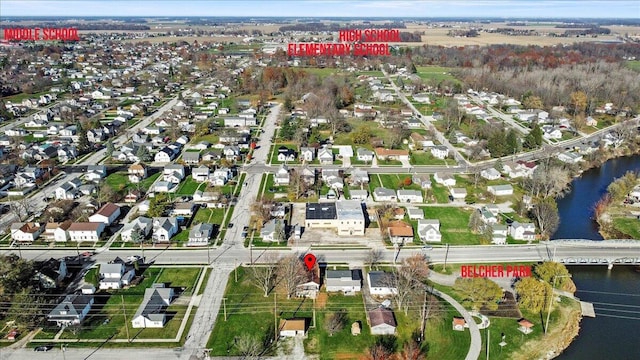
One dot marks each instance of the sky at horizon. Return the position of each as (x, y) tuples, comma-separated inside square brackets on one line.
[(328, 8)]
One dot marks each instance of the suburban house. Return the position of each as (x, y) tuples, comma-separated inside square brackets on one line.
[(389, 154), (191, 157), (487, 216), (307, 174), (281, 177), (137, 172), (490, 174), (85, 231), (458, 193), (140, 225), (424, 180), (152, 310), (359, 177), (346, 281), (429, 230), (68, 190), (382, 321), (51, 273), (384, 194), (380, 283), (415, 213), (325, 156), (221, 176), (410, 196), (200, 174), (365, 155), (307, 154), (522, 231), (57, 231), (346, 216), (200, 234), (499, 234), (362, 195), (310, 288), (444, 179), (570, 157), (273, 230), (439, 151), (107, 214), (400, 232), (173, 173), (500, 190), (164, 228), (71, 310), (26, 231), (285, 154), (292, 327), (95, 172), (115, 276)]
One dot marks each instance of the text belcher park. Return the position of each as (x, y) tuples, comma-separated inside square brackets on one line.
[(352, 42)]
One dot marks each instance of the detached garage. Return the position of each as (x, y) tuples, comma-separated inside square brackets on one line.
[(292, 327), (500, 190)]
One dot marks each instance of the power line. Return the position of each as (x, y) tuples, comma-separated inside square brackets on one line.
[(608, 293)]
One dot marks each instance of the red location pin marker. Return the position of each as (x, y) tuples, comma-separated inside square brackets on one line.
[(310, 261)]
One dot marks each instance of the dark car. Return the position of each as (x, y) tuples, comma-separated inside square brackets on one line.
[(43, 348), (230, 225), (246, 228)]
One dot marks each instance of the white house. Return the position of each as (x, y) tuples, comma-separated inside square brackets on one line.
[(440, 151), (200, 174), (500, 190), (348, 282), (26, 231), (570, 157), (107, 214), (380, 284), (522, 231), (384, 194), (173, 173), (410, 196), (325, 156), (164, 228), (281, 177), (200, 234), (292, 327), (152, 310), (490, 174), (307, 154), (458, 193), (429, 230), (141, 225), (499, 234), (85, 231), (365, 155), (444, 179), (115, 276), (136, 173)]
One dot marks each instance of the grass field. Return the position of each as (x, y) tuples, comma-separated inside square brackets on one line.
[(120, 180), (454, 225), (189, 186), (435, 73), (251, 314), (628, 226), (634, 64), (425, 158)]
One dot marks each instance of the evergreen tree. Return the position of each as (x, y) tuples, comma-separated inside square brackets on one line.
[(143, 153), (83, 141), (512, 142), (412, 68), (110, 147)]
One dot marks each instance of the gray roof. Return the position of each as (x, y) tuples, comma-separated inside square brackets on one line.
[(203, 230), (355, 274), (380, 191), (72, 305), (155, 300), (379, 278), (111, 268), (191, 155)]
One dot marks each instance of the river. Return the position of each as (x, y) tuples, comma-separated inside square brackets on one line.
[(615, 293)]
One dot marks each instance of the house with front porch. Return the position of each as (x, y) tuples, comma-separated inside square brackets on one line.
[(429, 230)]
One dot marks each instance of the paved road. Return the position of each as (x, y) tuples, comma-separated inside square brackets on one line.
[(476, 340)]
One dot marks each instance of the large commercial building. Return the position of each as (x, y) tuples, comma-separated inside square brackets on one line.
[(346, 216)]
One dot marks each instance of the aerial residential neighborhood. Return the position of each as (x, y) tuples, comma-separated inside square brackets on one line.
[(192, 187)]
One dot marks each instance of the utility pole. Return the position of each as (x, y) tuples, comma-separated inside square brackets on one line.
[(224, 308), (235, 270), (124, 312), (446, 255), (251, 252), (488, 336), (314, 313), (424, 316), (275, 316)]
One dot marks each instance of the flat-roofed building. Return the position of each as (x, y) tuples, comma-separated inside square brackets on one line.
[(346, 216)]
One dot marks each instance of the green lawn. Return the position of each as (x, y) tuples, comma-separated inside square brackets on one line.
[(425, 158), (120, 181), (628, 226), (209, 215), (440, 192), (251, 314), (454, 224), (110, 319), (189, 186), (274, 153), (341, 343), (321, 72), (634, 64), (436, 73)]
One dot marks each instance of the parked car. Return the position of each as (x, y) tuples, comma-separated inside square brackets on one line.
[(43, 348)]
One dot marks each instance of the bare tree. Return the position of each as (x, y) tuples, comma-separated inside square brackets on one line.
[(264, 276), (545, 212), (21, 208), (378, 352), (248, 346), (290, 274), (411, 351), (373, 258), (335, 322), (408, 280), (261, 210)]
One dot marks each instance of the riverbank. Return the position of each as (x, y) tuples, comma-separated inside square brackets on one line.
[(559, 337)]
